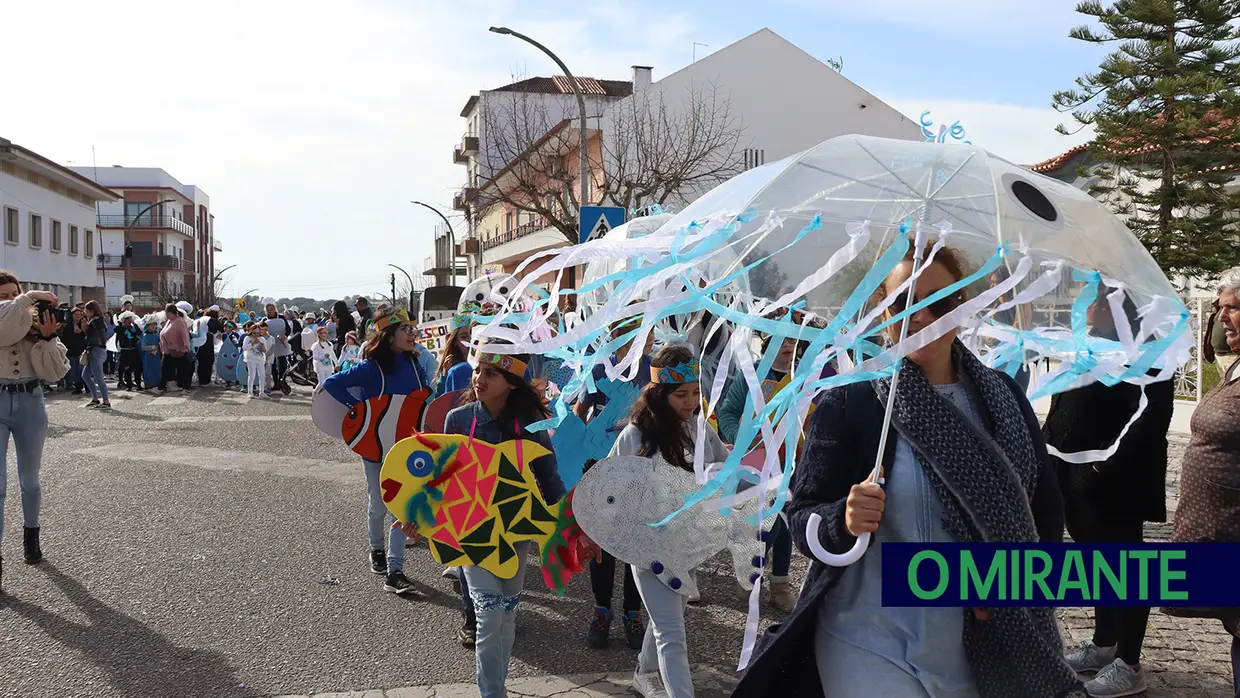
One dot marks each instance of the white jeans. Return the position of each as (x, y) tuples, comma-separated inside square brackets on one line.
[(665, 647), (257, 371)]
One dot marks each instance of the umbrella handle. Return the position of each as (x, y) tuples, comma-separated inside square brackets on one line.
[(829, 558)]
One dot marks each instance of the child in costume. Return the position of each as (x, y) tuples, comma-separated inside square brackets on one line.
[(152, 357), (128, 339), (269, 342), (324, 356), (389, 368), (351, 355), (500, 402), (254, 350), (663, 424), (229, 354)]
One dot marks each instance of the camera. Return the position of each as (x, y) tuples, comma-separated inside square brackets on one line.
[(59, 313)]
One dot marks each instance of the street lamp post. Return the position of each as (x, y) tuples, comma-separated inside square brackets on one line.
[(581, 107), (409, 301), (129, 234), (451, 239)]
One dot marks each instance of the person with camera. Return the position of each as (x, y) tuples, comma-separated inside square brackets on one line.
[(73, 336), (95, 356), (30, 353)]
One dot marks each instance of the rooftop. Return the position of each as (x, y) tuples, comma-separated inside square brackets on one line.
[(10, 151), (560, 84)]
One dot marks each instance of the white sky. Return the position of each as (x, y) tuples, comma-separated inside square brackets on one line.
[(311, 124)]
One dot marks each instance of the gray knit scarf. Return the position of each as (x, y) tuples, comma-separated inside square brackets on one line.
[(984, 482)]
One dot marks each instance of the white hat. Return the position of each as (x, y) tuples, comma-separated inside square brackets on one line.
[(185, 307), (126, 299), (126, 314), (295, 309), (216, 308), (268, 301)]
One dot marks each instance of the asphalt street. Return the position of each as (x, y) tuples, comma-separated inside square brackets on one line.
[(210, 545)]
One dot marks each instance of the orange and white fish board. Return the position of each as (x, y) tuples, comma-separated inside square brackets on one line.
[(372, 427), (327, 413)]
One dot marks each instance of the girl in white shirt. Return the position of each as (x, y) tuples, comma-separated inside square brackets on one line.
[(663, 424), (254, 351), (324, 356)]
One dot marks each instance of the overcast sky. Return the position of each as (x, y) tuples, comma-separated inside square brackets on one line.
[(311, 124)]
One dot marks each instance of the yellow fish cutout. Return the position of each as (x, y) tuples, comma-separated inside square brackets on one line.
[(473, 500)]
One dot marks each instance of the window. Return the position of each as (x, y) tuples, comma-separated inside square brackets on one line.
[(136, 286), (141, 248), (36, 231), (161, 248), (73, 239), (508, 222), (55, 236), (90, 243), (133, 208), (11, 234)]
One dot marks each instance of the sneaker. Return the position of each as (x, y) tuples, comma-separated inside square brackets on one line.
[(1089, 658), (378, 559), (634, 629), (397, 583), (468, 636), (172, 390), (451, 573), (649, 685), (1117, 679), (600, 628), (106, 406), (93, 404)]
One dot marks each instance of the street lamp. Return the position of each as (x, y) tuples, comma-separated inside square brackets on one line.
[(451, 239), (581, 106), (129, 234), (409, 306)]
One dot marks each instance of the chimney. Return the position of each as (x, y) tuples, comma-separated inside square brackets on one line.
[(641, 77)]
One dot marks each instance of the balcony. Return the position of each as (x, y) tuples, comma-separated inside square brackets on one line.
[(141, 300), (469, 145), (146, 261), (515, 234), (459, 158), (147, 222)]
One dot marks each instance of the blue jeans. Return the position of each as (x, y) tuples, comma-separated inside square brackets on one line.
[(23, 416), (780, 548), (93, 374), (377, 520), (495, 603), (665, 648), (74, 377)]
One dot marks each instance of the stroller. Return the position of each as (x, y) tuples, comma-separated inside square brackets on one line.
[(301, 369)]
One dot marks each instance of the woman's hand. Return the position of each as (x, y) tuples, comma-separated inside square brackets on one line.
[(47, 325), (42, 296), (864, 508)]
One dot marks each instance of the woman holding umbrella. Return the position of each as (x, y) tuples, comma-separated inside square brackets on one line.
[(961, 431)]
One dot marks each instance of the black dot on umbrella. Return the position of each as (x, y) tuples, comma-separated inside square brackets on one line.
[(1034, 200)]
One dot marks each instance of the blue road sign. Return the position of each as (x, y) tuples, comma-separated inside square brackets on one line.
[(595, 221)]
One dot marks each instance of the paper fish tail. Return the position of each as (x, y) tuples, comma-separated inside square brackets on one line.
[(559, 557)]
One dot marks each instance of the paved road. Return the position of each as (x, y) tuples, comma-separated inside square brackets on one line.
[(213, 546)]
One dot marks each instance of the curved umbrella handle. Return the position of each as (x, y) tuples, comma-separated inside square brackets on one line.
[(829, 558)]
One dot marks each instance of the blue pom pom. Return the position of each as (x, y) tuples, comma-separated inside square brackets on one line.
[(656, 567)]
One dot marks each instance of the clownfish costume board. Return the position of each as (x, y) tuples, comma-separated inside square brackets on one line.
[(372, 427)]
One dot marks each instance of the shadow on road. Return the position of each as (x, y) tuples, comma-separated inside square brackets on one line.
[(138, 660)]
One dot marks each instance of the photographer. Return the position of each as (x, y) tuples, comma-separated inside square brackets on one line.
[(73, 335), (29, 345)]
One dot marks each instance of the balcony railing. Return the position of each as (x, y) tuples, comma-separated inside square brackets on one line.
[(146, 261), (515, 234), (140, 300), (147, 221), (459, 157), (469, 145)]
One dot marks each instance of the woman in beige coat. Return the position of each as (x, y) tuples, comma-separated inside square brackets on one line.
[(30, 352)]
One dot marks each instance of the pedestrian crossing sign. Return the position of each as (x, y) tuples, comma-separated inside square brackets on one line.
[(596, 221)]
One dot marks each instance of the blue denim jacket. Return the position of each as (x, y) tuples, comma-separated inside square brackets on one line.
[(546, 469)]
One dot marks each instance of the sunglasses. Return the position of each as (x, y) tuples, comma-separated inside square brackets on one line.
[(938, 308)]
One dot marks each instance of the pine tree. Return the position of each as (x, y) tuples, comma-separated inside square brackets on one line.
[(1166, 111)]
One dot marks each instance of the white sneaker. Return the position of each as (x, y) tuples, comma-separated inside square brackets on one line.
[(451, 573), (648, 685), (1117, 679), (1089, 657), (174, 389)]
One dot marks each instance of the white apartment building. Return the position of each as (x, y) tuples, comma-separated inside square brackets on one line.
[(169, 230), (47, 212)]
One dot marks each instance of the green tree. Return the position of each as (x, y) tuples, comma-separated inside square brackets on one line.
[(1166, 113)]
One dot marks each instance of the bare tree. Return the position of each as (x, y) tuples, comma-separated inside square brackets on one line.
[(657, 153), (654, 152)]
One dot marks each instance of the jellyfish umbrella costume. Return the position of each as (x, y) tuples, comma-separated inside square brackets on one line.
[(819, 232)]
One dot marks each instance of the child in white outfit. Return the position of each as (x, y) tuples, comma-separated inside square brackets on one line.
[(254, 350), (324, 356)]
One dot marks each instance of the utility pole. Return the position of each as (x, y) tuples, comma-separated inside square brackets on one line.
[(392, 278)]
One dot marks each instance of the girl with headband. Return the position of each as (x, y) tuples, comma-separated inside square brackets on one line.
[(663, 424), (389, 368), (500, 403)]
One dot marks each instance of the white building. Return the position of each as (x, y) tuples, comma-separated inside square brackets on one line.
[(169, 229), (784, 99), (48, 216)]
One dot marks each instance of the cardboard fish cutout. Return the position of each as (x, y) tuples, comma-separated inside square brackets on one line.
[(370, 428), (437, 412), (472, 501), (227, 357), (326, 412), (619, 498)]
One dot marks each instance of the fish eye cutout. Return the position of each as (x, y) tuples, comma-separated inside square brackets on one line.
[(420, 463), (611, 500)]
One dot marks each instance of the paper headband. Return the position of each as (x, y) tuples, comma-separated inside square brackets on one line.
[(505, 362), (395, 317), (459, 321), (682, 373)]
